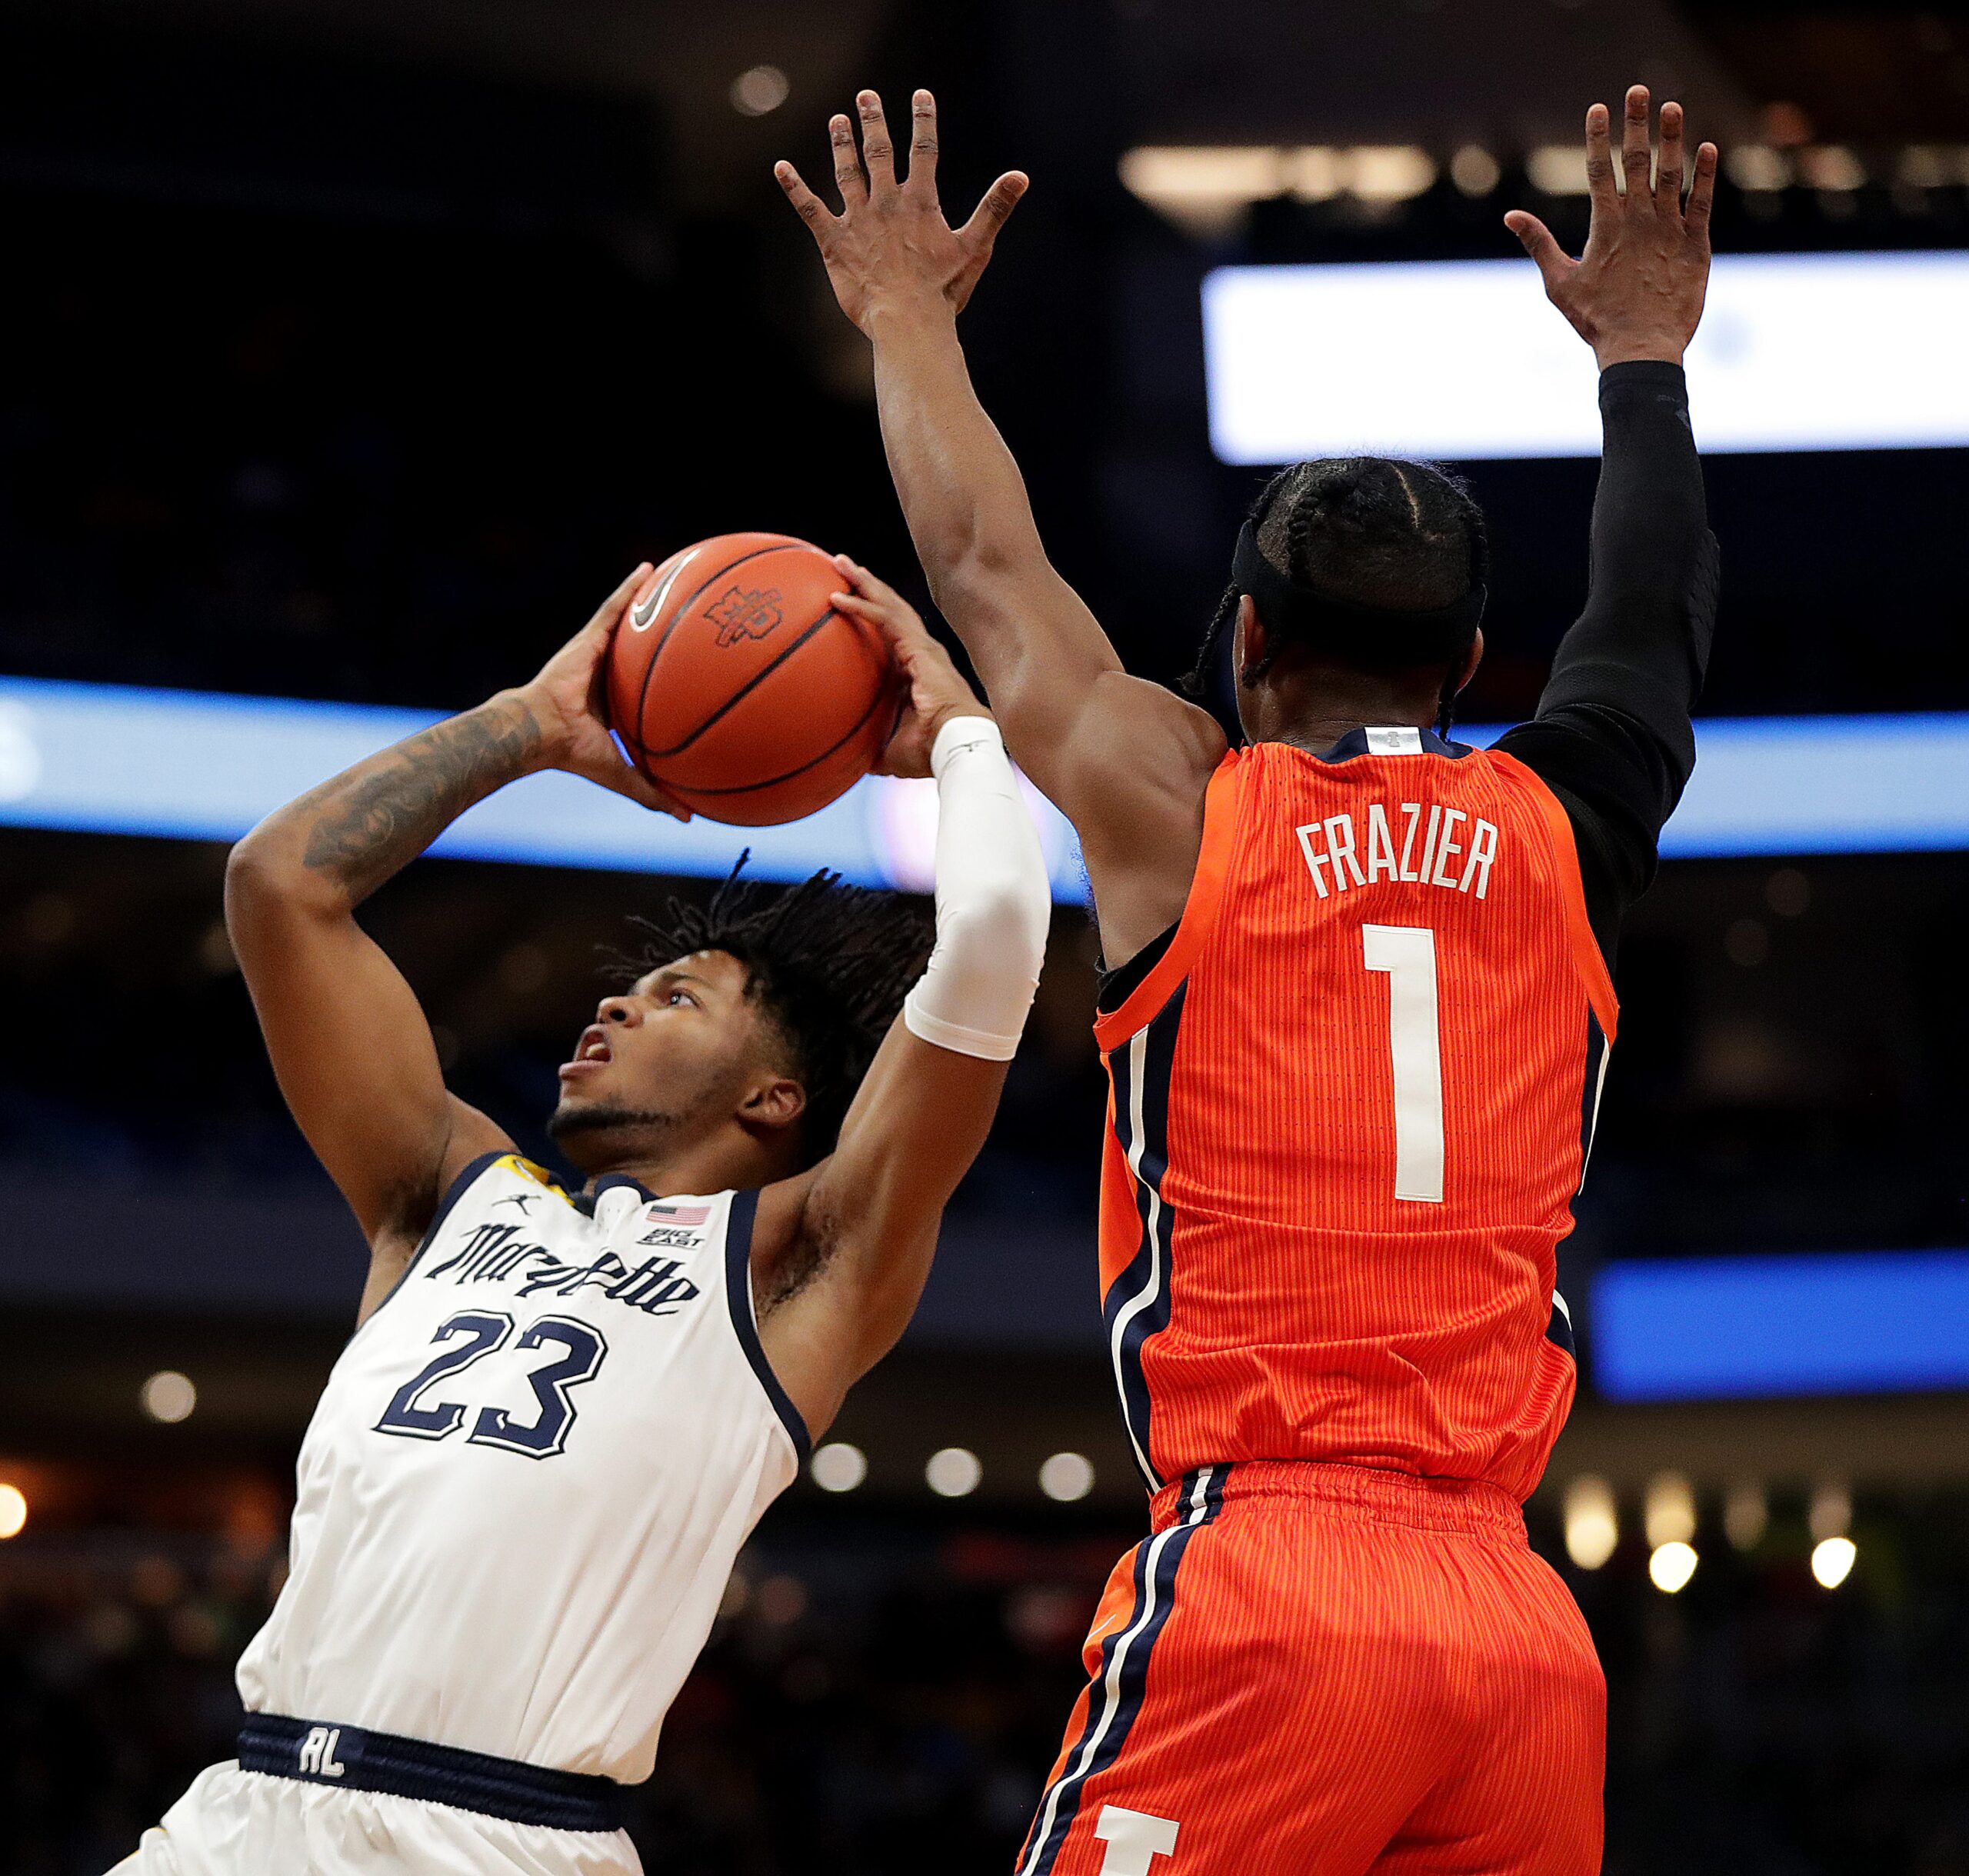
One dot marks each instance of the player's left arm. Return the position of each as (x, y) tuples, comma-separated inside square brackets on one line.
[(1613, 735), (1127, 760), (840, 1255)]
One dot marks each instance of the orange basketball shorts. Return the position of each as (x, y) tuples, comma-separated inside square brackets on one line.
[(1312, 1670)]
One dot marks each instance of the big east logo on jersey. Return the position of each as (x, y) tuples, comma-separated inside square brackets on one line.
[(740, 615)]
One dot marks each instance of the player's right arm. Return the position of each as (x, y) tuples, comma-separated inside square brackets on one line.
[(351, 1046), (1613, 736), (1126, 761), (846, 1248)]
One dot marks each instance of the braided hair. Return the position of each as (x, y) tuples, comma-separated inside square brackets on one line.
[(829, 963), (1368, 531)]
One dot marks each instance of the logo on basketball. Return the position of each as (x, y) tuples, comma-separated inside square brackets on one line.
[(740, 615)]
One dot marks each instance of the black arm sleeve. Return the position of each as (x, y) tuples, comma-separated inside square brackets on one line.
[(1612, 738)]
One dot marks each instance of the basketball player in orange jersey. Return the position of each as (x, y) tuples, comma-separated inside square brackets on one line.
[(1356, 1021)]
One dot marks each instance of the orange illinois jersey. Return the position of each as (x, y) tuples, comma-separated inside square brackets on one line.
[(1351, 1103)]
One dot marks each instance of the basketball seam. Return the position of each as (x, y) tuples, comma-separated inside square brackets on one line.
[(676, 618), (744, 690), (773, 781)]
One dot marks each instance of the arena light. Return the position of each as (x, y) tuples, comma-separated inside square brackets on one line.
[(1316, 172), (1205, 188), (1757, 167), (1746, 1514), (1391, 172), (1832, 167), (1462, 359), (1067, 1478), (1669, 1509), (1833, 1559), (195, 765), (759, 91), (839, 1466), (1750, 1328), (168, 1397), (953, 1473), (13, 1510), (1933, 166), (1557, 169), (1474, 170), (1671, 1566), (1592, 1521), (1831, 1514)]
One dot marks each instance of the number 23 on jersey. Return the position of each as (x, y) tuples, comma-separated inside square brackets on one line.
[(574, 1351)]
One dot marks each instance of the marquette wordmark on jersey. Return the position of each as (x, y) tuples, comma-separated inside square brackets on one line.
[(496, 1254), (1333, 843)]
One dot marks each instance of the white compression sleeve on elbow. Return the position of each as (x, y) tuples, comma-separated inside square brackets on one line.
[(993, 901)]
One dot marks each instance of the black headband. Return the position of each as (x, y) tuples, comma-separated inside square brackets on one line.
[(1360, 634)]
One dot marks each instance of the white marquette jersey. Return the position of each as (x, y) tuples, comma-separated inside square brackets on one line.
[(525, 1486)]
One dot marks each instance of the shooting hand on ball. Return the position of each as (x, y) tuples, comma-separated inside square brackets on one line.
[(566, 701), (890, 250), (1637, 290), (937, 690)]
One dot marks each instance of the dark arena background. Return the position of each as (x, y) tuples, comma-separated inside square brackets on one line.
[(349, 352)]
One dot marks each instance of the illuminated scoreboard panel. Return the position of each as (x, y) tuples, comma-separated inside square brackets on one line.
[(1464, 359)]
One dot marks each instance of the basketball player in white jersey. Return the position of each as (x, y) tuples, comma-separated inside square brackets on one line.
[(562, 1412)]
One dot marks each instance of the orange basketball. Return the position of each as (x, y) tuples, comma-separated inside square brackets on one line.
[(735, 686)]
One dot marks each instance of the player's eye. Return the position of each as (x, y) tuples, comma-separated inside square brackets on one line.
[(681, 996)]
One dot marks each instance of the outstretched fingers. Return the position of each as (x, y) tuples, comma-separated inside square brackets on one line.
[(847, 176), (877, 152), (991, 213), (1668, 175), (1553, 262), (1635, 154), (923, 143), (1599, 161), (1702, 192), (806, 204)]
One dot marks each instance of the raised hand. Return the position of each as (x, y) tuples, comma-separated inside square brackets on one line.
[(936, 689), (1637, 290), (567, 700), (890, 248)]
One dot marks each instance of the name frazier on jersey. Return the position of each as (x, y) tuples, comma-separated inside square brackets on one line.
[(1334, 852), (495, 1253)]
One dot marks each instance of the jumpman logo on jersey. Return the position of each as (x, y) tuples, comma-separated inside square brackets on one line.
[(520, 1199)]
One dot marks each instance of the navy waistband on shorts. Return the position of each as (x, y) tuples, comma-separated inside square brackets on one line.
[(1380, 1493), (318, 1753)]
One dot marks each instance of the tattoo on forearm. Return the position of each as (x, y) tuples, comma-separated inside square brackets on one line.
[(376, 819)]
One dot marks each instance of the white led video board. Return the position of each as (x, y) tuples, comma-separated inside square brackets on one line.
[(1464, 360)]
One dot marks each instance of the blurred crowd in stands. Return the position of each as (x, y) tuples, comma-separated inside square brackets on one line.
[(882, 1692)]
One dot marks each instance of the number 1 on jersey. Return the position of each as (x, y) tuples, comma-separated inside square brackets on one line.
[(1408, 954)]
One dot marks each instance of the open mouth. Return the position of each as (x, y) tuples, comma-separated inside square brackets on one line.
[(591, 1052)]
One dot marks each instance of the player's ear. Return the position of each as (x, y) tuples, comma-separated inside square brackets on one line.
[(1249, 647), (1471, 659), (772, 1102)]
